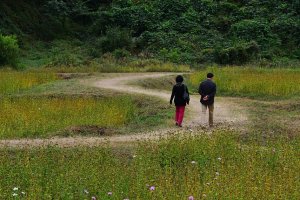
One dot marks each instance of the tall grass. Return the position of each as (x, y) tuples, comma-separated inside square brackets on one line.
[(13, 81), (119, 67), (213, 166), (42, 116), (254, 82)]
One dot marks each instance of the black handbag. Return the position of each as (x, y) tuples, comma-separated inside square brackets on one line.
[(186, 95)]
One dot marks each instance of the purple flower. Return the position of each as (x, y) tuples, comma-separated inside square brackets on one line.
[(191, 198), (109, 193), (94, 198), (152, 188)]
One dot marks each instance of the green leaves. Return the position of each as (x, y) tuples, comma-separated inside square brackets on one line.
[(186, 28), (9, 50)]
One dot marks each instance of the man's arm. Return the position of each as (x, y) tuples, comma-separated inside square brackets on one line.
[(200, 90), (213, 93)]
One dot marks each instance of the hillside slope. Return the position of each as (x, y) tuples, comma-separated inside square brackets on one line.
[(225, 31)]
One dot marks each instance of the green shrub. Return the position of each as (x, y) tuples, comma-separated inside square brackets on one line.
[(238, 54), (259, 31), (115, 38), (66, 53), (176, 55), (121, 53), (207, 55), (65, 59), (9, 50)]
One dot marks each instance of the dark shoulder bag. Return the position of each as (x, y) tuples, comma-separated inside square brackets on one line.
[(186, 95)]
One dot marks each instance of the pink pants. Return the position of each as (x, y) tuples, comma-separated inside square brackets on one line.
[(179, 114)]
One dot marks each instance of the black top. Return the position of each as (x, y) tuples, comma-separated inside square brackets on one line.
[(178, 91), (207, 87)]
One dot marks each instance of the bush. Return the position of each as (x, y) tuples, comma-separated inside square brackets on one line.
[(259, 31), (9, 50), (238, 54), (207, 56), (66, 53), (121, 53), (115, 38)]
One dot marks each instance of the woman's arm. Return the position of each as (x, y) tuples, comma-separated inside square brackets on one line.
[(172, 95)]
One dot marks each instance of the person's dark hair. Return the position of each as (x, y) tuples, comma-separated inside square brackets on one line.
[(179, 79), (210, 75)]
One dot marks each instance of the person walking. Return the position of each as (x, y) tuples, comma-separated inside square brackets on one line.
[(207, 90), (181, 94)]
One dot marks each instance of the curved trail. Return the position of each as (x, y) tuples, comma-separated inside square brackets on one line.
[(226, 111)]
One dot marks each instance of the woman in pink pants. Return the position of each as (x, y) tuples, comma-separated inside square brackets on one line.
[(181, 94)]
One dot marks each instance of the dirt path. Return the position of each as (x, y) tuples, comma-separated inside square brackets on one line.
[(227, 111)]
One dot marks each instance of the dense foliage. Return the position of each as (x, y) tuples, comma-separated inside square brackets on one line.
[(9, 50), (189, 31)]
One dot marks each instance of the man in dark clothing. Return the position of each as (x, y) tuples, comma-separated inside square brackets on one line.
[(181, 94), (207, 90)]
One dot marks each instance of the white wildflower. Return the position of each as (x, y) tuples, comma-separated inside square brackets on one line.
[(86, 191)]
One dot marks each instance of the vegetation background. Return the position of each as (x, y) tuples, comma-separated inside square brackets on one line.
[(86, 32)]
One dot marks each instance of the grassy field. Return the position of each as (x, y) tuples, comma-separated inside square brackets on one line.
[(257, 83), (39, 105), (13, 81), (216, 166), (252, 82), (40, 117), (271, 119), (260, 163)]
